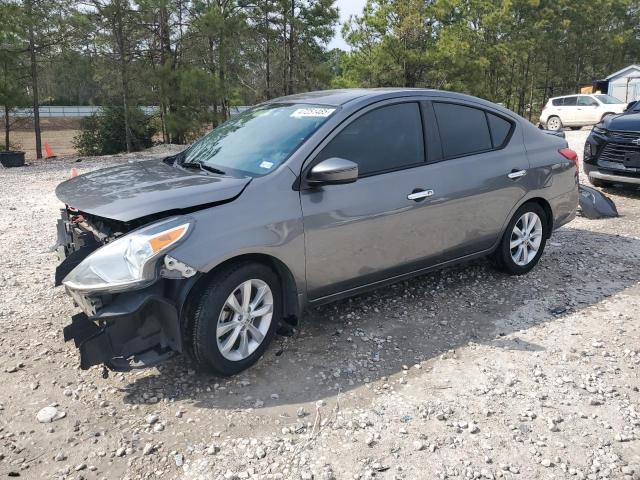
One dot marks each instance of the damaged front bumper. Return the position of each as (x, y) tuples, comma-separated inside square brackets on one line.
[(135, 330), (123, 331)]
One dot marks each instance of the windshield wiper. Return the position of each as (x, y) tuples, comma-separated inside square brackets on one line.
[(202, 166)]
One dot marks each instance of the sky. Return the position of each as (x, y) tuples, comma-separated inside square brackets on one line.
[(347, 8)]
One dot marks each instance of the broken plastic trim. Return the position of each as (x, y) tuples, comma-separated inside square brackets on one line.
[(595, 204), (135, 330)]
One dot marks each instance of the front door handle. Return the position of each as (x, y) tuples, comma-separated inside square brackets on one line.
[(516, 174), (418, 195)]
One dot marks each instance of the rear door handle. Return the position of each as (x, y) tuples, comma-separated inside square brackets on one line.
[(417, 195), (516, 174)]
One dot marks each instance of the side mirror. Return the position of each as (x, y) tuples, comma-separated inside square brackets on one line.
[(333, 171)]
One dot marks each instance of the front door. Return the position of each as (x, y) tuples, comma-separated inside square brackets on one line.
[(360, 232), (588, 111)]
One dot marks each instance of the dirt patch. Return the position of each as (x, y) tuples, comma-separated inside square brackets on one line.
[(464, 373)]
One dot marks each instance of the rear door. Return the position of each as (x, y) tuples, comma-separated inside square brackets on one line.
[(480, 178)]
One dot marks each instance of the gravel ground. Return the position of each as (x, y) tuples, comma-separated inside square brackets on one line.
[(464, 373)]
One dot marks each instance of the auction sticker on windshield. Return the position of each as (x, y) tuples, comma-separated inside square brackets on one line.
[(266, 165), (313, 112)]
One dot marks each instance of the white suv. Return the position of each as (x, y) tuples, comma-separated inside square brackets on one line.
[(576, 111)]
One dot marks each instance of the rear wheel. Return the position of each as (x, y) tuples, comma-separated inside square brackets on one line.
[(523, 241), (554, 123), (235, 318)]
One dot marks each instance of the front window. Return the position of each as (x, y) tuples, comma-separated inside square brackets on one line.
[(608, 99), (257, 141)]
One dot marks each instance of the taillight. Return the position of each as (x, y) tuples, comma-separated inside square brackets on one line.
[(571, 156)]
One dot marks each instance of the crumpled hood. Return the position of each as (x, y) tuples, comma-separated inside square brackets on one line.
[(138, 189), (627, 122)]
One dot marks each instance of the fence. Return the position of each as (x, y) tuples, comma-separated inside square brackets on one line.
[(82, 111)]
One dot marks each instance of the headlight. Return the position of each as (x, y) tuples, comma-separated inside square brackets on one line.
[(129, 261), (599, 130)]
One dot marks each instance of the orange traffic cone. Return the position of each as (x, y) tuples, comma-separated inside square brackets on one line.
[(48, 151)]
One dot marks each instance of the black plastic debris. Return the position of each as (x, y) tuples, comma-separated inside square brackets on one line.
[(595, 204)]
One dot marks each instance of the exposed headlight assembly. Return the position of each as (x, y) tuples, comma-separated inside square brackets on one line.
[(130, 261)]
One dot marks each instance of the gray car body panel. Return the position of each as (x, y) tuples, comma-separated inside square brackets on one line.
[(340, 239)]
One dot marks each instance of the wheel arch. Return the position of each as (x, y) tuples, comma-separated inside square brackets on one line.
[(555, 115), (546, 206), (290, 299), (542, 202)]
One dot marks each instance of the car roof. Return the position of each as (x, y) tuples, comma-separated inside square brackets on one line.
[(575, 95), (342, 96)]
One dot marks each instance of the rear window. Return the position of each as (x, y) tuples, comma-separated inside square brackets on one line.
[(565, 101), (463, 130)]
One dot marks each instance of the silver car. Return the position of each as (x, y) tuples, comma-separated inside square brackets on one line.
[(300, 201)]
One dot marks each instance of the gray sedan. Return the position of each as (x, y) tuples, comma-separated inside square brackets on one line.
[(299, 201)]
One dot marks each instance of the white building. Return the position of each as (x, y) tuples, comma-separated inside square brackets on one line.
[(625, 83)]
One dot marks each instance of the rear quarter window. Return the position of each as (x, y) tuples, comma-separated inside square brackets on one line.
[(500, 130)]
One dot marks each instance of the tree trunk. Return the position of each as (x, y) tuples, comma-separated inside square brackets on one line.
[(34, 80), (124, 76), (291, 48), (268, 54), (222, 78), (125, 105), (7, 128)]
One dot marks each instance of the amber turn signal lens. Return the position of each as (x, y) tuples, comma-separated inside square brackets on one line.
[(167, 238)]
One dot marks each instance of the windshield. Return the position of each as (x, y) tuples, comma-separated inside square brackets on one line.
[(257, 141), (608, 99)]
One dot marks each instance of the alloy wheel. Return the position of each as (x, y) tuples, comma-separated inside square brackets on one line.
[(244, 319), (526, 238)]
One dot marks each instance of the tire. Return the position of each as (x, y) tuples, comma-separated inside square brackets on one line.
[(554, 123), (503, 257), (600, 183), (212, 308)]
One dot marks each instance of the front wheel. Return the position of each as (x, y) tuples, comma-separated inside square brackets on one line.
[(235, 318), (523, 241)]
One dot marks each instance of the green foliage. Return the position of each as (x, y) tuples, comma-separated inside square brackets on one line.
[(517, 53), (194, 59), (104, 133)]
